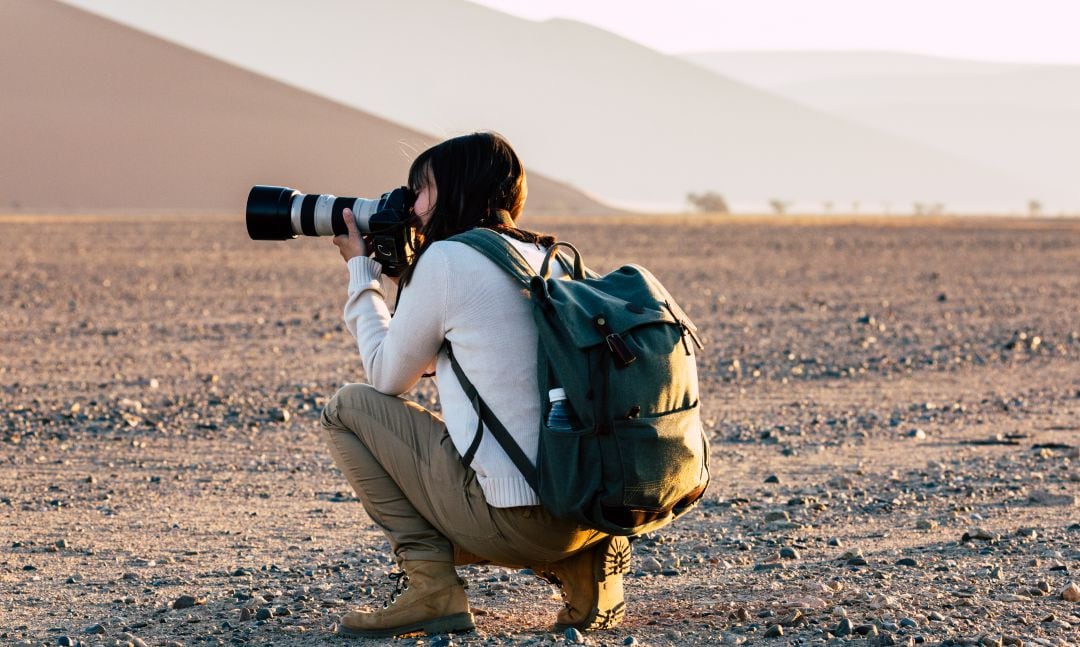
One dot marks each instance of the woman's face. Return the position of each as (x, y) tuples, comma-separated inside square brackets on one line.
[(425, 201)]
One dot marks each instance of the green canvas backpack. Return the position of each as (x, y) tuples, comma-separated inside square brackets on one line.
[(624, 352)]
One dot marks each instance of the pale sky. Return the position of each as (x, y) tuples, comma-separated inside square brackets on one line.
[(1030, 31)]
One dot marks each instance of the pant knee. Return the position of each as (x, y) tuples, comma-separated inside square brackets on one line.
[(352, 396)]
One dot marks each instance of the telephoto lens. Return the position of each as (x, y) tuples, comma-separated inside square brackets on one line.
[(280, 213)]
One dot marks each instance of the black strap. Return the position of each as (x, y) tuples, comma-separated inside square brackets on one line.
[(486, 417)]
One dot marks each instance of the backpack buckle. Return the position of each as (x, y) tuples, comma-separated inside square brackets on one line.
[(623, 355), (620, 350)]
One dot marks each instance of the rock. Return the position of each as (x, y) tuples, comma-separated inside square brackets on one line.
[(772, 478), (777, 515), (651, 565), (835, 542), (1012, 641), (95, 629), (865, 630), (246, 614), (936, 617), (264, 614), (774, 631), (917, 434), (1071, 593), (882, 601), (573, 637), (768, 566), (926, 524), (990, 641), (440, 641), (629, 640), (979, 533), (280, 414), (792, 619), (843, 628), (186, 602), (66, 641), (907, 561), (909, 623), (789, 553)]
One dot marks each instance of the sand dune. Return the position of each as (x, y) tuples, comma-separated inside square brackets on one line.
[(619, 119), (1022, 119), (99, 116)]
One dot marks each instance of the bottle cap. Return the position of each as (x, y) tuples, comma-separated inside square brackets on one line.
[(557, 393)]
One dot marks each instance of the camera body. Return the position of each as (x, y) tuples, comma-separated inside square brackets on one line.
[(280, 213)]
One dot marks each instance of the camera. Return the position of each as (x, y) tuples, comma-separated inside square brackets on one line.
[(280, 213)]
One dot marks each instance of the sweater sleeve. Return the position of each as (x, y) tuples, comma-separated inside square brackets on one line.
[(396, 352)]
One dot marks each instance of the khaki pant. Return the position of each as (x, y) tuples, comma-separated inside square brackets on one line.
[(400, 460)]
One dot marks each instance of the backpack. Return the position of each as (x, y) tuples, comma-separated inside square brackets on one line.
[(623, 351)]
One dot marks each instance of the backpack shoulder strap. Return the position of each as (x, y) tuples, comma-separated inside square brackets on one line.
[(486, 417), (499, 250)]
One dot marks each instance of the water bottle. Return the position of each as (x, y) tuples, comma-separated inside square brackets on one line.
[(560, 417)]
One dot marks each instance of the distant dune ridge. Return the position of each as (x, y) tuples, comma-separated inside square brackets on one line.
[(1023, 119), (615, 118), (98, 116)]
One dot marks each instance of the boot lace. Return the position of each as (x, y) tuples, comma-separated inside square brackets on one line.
[(401, 584)]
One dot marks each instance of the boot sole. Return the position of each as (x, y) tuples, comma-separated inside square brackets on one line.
[(608, 570), (459, 622)]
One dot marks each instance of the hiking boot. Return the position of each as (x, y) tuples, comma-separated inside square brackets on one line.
[(592, 585), (429, 597)]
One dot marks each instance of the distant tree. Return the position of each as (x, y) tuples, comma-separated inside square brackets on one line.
[(779, 207), (827, 206), (708, 202), (1034, 208)]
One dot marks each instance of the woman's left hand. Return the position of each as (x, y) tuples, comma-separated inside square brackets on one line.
[(350, 245)]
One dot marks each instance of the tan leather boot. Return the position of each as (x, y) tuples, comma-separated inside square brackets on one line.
[(429, 598), (592, 585)]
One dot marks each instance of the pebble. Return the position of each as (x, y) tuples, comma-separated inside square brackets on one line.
[(186, 602), (979, 533), (843, 628), (917, 434), (629, 640), (264, 614), (777, 515), (1012, 641), (573, 637), (909, 623), (441, 641), (774, 631), (772, 478), (926, 524), (865, 630), (907, 561), (789, 553), (95, 629), (1071, 593), (935, 616), (246, 614)]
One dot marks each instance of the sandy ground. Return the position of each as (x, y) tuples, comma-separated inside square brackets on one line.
[(893, 409)]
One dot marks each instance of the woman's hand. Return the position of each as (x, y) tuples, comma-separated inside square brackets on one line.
[(350, 245)]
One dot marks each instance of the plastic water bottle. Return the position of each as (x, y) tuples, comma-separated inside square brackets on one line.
[(560, 417)]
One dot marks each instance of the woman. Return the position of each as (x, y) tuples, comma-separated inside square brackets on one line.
[(403, 461)]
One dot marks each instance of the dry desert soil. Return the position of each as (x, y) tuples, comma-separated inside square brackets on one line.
[(893, 408)]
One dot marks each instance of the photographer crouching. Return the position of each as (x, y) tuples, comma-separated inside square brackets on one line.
[(405, 462)]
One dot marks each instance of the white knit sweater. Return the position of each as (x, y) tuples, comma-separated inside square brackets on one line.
[(458, 294)]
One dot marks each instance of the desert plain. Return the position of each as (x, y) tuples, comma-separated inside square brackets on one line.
[(893, 407)]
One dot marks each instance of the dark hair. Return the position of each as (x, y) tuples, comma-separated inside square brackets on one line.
[(479, 182)]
